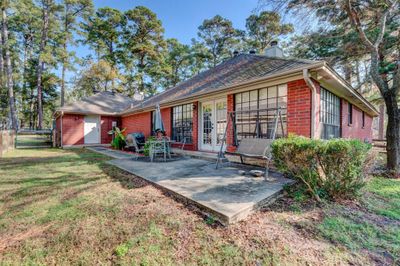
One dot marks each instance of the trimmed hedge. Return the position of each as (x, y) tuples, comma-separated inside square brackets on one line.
[(330, 169)]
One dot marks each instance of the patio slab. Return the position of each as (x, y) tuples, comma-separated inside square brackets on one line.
[(222, 192), (112, 153)]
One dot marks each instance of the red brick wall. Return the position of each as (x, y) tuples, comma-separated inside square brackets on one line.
[(142, 123), (355, 130), (137, 123), (106, 126), (230, 107), (72, 129), (299, 108), (195, 132), (166, 117)]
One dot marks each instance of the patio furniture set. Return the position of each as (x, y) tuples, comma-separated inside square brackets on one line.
[(161, 145)]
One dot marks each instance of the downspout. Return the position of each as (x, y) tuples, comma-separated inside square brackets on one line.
[(311, 85)]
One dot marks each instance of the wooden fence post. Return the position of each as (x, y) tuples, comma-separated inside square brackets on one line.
[(7, 141)]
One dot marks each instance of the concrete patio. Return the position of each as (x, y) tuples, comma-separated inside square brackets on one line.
[(223, 192)]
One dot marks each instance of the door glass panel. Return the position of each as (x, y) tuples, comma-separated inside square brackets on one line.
[(220, 121), (207, 124)]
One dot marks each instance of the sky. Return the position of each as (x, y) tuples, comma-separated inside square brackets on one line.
[(181, 18)]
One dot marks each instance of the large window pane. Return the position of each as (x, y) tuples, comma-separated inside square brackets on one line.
[(256, 109), (182, 123), (329, 115)]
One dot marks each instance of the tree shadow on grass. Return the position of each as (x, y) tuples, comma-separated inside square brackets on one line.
[(19, 199), (125, 179), (27, 190)]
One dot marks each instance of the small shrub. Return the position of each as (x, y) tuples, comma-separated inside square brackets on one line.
[(210, 220), (123, 249), (329, 169)]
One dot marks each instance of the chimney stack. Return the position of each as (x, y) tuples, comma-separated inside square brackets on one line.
[(138, 96), (274, 50)]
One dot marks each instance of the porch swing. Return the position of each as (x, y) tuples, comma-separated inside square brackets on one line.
[(255, 148)]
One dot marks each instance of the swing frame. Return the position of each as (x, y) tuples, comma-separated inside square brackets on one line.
[(266, 154)]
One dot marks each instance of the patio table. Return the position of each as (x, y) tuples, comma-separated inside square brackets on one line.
[(160, 147)]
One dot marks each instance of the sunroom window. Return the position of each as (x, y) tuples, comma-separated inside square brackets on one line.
[(329, 115), (256, 110), (182, 123)]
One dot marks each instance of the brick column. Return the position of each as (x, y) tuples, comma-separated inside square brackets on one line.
[(195, 130), (229, 133), (299, 108)]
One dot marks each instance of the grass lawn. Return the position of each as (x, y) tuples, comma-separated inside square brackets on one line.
[(69, 207)]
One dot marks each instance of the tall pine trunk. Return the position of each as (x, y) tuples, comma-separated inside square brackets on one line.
[(62, 96), (9, 72), (2, 74), (40, 67), (32, 110), (65, 56)]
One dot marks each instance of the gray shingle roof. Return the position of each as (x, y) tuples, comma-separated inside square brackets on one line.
[(102, 103), (239, 69)]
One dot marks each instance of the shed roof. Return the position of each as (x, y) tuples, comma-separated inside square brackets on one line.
[(101, 103)]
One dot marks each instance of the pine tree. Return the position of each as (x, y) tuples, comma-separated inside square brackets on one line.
[(220, 38)]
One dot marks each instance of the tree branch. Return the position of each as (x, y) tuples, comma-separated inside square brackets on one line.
[(382, 22), (355, 21), (373, 47)]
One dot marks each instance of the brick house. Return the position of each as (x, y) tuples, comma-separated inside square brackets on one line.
[(315, 100)]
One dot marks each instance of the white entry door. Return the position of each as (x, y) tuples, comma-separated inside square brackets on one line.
[(92, 129), (213, 123)]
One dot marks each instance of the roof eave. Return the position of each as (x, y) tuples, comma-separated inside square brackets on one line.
[(327, 69), (86, 113)]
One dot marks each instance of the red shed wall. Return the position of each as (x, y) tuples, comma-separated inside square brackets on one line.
[(72, 129), (355, 130)]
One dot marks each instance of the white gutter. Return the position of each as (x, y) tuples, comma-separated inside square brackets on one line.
[(311, 85)]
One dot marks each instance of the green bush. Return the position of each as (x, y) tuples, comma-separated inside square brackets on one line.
[(330, 169)]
